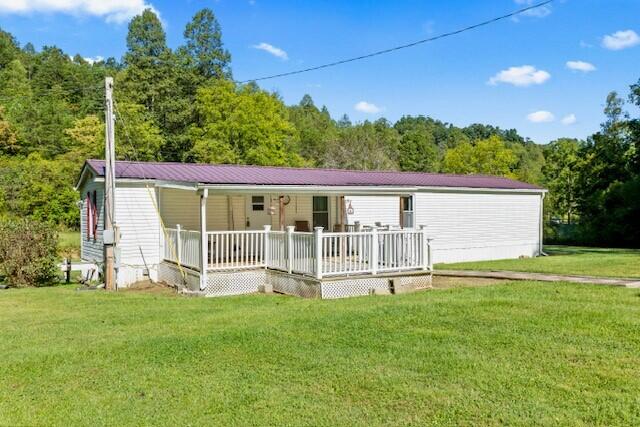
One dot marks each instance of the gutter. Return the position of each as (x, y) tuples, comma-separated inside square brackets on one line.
[(541, 232)]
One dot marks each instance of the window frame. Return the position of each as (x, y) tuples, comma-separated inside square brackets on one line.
[(324, 213), (407, 213), (255, 204)]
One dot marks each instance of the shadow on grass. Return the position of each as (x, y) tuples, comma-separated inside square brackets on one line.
[(580, 250)]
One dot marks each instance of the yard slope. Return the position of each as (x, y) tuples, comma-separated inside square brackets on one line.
[(517, 353), (566, 260)]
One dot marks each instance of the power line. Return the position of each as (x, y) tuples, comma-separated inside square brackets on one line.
[(405, 46)]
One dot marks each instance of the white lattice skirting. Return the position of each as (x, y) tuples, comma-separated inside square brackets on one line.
[(251, 281), (171, 275), (235, 282), (306, 287)]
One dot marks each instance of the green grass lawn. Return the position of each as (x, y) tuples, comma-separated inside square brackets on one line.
[(69, 244), (569, 260), (516, 353)]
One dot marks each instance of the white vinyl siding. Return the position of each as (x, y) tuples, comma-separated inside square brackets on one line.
[(371, 209), (183, 207), (139, 226), (480, 226)]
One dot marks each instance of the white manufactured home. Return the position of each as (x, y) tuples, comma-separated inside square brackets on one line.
[(229, 229)]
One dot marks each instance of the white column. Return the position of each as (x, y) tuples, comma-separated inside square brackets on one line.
[(266, 251), (318, 251), (290, 229), (425, 248), (374, 250), (203, 238), (178, 247)]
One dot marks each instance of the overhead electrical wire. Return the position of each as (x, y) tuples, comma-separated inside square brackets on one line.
[(405, 46)]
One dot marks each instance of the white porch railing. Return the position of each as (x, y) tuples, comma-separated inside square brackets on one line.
[(347, 253), (236, 249), (182, 247), (315, 254)]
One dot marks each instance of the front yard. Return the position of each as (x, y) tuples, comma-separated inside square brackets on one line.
[(513, 353), (568, 260)]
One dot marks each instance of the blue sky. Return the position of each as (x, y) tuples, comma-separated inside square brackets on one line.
[(480, 76)]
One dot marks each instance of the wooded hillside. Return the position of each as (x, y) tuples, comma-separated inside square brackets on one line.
[(183, 105)]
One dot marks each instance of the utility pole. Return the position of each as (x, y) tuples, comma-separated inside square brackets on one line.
[(109, 235)]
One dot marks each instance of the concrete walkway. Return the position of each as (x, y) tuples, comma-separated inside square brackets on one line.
[(544, 277)]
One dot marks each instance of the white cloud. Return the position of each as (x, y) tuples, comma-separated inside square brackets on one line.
[(585, 44), (620, 40), (367, 107), (580, 66), (524, 75), (275, 51), (541, 116), (569, 119), (95, 59), (117, 11)]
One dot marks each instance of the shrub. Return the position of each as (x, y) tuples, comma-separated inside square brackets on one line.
[(27, 253)]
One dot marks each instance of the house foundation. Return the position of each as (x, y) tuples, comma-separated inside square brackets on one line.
[(238, 282)]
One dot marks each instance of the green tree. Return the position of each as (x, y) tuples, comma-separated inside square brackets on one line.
[(147, 59), (86, 140), (364, 147), (418, 152), (156, 79), (139, 135), (9, 48), (609, 179), (40, 189), (242, 124), (488, 156), (204, 46), (315, 127), (561, 171), (8, 140)]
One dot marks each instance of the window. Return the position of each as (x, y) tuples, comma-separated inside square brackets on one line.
[(92, 215), (321, 212), (257, 203), (406, 206)]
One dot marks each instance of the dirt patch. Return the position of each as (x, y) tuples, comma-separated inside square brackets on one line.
[(446, 282), (148, 287)]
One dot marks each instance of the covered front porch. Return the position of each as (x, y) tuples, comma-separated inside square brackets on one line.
[(294, 242)]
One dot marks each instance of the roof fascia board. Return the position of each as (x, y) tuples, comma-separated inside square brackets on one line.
[(178, 185), (360, 190)]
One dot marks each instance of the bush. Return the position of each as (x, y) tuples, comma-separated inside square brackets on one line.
[(27, 253), (563, 234)]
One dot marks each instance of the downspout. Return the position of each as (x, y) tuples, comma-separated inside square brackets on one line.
[(541, 232)]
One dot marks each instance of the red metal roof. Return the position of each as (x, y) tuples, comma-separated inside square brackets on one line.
[(269, 175)]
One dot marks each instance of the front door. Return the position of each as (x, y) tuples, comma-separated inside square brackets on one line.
[(257, 212)]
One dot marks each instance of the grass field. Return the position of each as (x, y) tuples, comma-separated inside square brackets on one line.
[(69, 244), (516, 353), (569, 260)]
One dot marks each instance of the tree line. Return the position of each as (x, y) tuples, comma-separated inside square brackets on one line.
[(183, 105)]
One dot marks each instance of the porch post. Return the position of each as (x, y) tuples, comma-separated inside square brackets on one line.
[(290, 229), (266, 252), (281, 214), (203, 238), (374, 250), (318, 251), (179, 244), (425, 248)]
